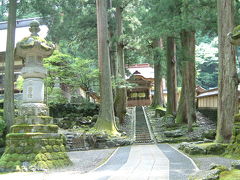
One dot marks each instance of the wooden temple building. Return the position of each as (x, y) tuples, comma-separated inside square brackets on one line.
[(142, 79)]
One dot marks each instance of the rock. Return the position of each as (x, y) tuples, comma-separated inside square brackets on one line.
[(236, 165), (205, 175), (191, 149), (207, 140), (102, 145), (216, 149), (168, 120), (209, 134), (174, 133), (111, 143), (160, 112), (212, 175), (183, 145), (123, 134), (219, 167)]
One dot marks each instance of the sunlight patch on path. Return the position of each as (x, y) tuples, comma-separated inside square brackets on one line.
[(145, 162)]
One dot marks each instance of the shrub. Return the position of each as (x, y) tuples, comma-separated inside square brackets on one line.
[(2, 126), (80, 110)]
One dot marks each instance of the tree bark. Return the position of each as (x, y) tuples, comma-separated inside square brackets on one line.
[(171, 76), (187, 101), (106, 119), (181, 111), (9, 67), (227, 81), (158, 99), (120, 103), (112, 46)]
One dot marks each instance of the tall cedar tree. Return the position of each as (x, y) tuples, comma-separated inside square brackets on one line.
[(188, 78), (9, 66), (227, 81), (171, 76), (158, 99), (106, 119), (120, 102), (186, 107)]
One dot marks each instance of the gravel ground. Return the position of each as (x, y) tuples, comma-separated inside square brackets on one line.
[(84, 161), (204, 163)]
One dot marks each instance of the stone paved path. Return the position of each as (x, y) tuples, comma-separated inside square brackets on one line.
[(137, 162), (145, 162), (180, 165)]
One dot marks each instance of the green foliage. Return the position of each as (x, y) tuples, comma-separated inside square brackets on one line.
[(66, 70), (3, 10), (55, 96), (207, 64), (2, 126), (2, 122), (121, 83), (161, 108), (237, 117), (19, 83), (72, 24), (84, 109)]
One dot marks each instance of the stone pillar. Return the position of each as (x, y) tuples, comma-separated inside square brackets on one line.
[(34, 142)]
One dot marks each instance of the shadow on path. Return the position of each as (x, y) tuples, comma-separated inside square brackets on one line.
[(180, 166), (118, 159)]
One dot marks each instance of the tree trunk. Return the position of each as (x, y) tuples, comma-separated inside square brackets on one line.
[(189, 85), (106, 116), (171, 76), (112, 46), (158, 99), (9, 67), (181, 112), (121, 92), (227, 81)]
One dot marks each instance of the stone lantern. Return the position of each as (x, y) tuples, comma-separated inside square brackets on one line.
[(34, 142), (32, 50)]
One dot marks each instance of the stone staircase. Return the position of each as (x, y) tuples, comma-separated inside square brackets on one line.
[(142, 133)]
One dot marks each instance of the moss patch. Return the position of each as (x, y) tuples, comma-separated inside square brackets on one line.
[(34, 128), (29, 42), (34, 154), (106, 126), (42, 148), (230, 175)]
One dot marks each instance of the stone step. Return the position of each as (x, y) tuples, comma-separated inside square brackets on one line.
[(34, 128), (143, 137), (142, 134)]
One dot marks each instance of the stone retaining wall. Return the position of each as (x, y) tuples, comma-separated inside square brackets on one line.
[(211, 113)]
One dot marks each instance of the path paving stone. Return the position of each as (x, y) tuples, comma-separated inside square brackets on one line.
[(180, 165), (145, 162), (136, 162)]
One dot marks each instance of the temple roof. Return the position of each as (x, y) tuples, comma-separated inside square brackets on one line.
[(22, 31), (142, 69)]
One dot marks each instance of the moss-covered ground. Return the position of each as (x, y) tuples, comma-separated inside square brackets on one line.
[(230, 175), (202, 129), (35, 152)]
